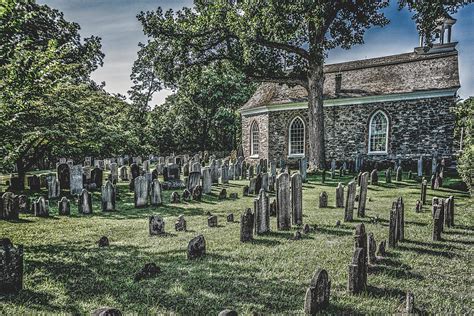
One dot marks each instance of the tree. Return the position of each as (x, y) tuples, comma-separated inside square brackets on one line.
[(275, 41), (464, 130), (42, 56)]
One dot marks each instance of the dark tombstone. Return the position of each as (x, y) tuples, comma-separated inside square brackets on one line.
[(173, 172), (149, 270), (212, 221), (410, 175), (372, 245), (350, 201), (186, 195), (261, 213), (233, 196), (340, 195), (399, 173), (323, 175), (424, 186), (357, 282), (24, 204), (317, 294), (306, 229), (437, 222), (41, 207), (323, 200), (433, 184), (381, 249), (252, 183), (34, 183), (9, 208), (341, 172), (449, 211), (64, 206), (175, 198), (246, 226), (296, 199), (363, 194), (419, 206), (230, 218), (103, 242), (245, 191), (84, 202), (374, 177), (180, 224), (97, 175), (156, 225), (196, 247), (11, 267), (106, 311), (283, 198), (64, 175), (273, 208), (134, 171), (223, 194), (258, 183), (197, 193), (360, 238)]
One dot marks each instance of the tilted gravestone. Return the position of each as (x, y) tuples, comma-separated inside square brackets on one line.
[(350, 200), (323, 200), (364, 178), (196, 247), (156, 225), (41, 207), (85, 202), (140, 191), (180, 224), (357, 280), (246, 226), (11, 267), (317, 294), (9, 206), (155, 193), (108, 197), (297, 199), (64, 206), (340, 195), (283, 201), (262, 213)]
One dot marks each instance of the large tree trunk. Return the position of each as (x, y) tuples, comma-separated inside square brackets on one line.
[(317, 151)]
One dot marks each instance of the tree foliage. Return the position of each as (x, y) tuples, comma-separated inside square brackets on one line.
[(465, 131)]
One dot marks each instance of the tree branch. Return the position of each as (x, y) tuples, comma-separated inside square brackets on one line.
[(282, 46)]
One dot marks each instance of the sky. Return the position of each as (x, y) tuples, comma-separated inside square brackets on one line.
[(116, 23)]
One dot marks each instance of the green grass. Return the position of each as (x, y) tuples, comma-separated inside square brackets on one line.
[(65, 271)]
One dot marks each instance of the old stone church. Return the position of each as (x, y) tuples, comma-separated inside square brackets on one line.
[(389, 108)]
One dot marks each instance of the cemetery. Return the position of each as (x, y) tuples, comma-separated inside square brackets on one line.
[(268, 179)]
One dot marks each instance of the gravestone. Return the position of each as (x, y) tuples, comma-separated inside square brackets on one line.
[(410, 175), (64, 206), (273, 208), (212, 221), (283, 201), (262, 213), (388, 175), (357, 282), (196, 167), (193, 180), (175, 198), (364, 178), (63, 175), (419, 206), (196, 247), (9, 207), (323, 200), (206, 180), (449, 211), (265, 185), (230, 218), (11, 267), (372, 245), (41, 207), (303, 167), (381, 249), (374, 177), (297, 199), (155, 193), (399, 173), (54, 190), (396, 223), (223, 194), (437, 222), (114, 172), (108, 196), (420, 166), (251, 171), (76, 181), (123, 173), (180, 224), (96, 177), (156, 225), (197, 193), (360, 240), (246, 226), (317, 294), (252, 185), (84, 202), (231, 171), (24, 204), (224, 174), (140, 191), (214, 172), (424, 187), (258, 183), (34, 183), (340, 195), (186, 195)]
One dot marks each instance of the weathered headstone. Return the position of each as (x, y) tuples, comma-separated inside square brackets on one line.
[(193, 180), (283, 201), (84, 202), (34, 183), (224, 174), (381, 249), (114, 172), (420, 166), (303, 167), (399, 173), (350, 200), (76, 181), (155, 193), (108, 196), (212, 221), (297, 199), (54, 190), (186, 195), (96, 177), (175, 198), (197, 193), (317, 294), (63, 175), (223, 194), (424, 187), (437, 222), (323, 200), (262, 213), (372, 248), (140, 191), (9, 208), (388, 175), (196, 247), (24, 204), (449, 211), (180, 224), (396, 223), (246, 226), (156, 225), (206, 180), (363, 194), (64, 206), (340, 195), (252, 186), (41, 207), (11, 267), (374, 177), (357, 282)]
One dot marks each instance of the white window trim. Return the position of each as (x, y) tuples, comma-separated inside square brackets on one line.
[(386, 134), (290, 155), (252, 155)]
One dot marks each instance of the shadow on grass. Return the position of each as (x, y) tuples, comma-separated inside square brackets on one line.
[(331, 230), (431, 252), (432, 245), (384, 292)]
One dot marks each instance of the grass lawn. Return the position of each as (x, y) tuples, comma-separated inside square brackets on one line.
[(65, 271)]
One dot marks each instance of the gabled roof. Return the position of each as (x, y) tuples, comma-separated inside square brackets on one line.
[(403, 73)]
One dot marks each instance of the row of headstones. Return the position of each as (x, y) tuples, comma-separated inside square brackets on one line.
[(443, 215)]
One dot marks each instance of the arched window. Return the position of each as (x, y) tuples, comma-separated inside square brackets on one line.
[(378, 133), (254, 139), (296, 137)]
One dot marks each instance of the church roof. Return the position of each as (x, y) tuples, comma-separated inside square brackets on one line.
[(402, 73)]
